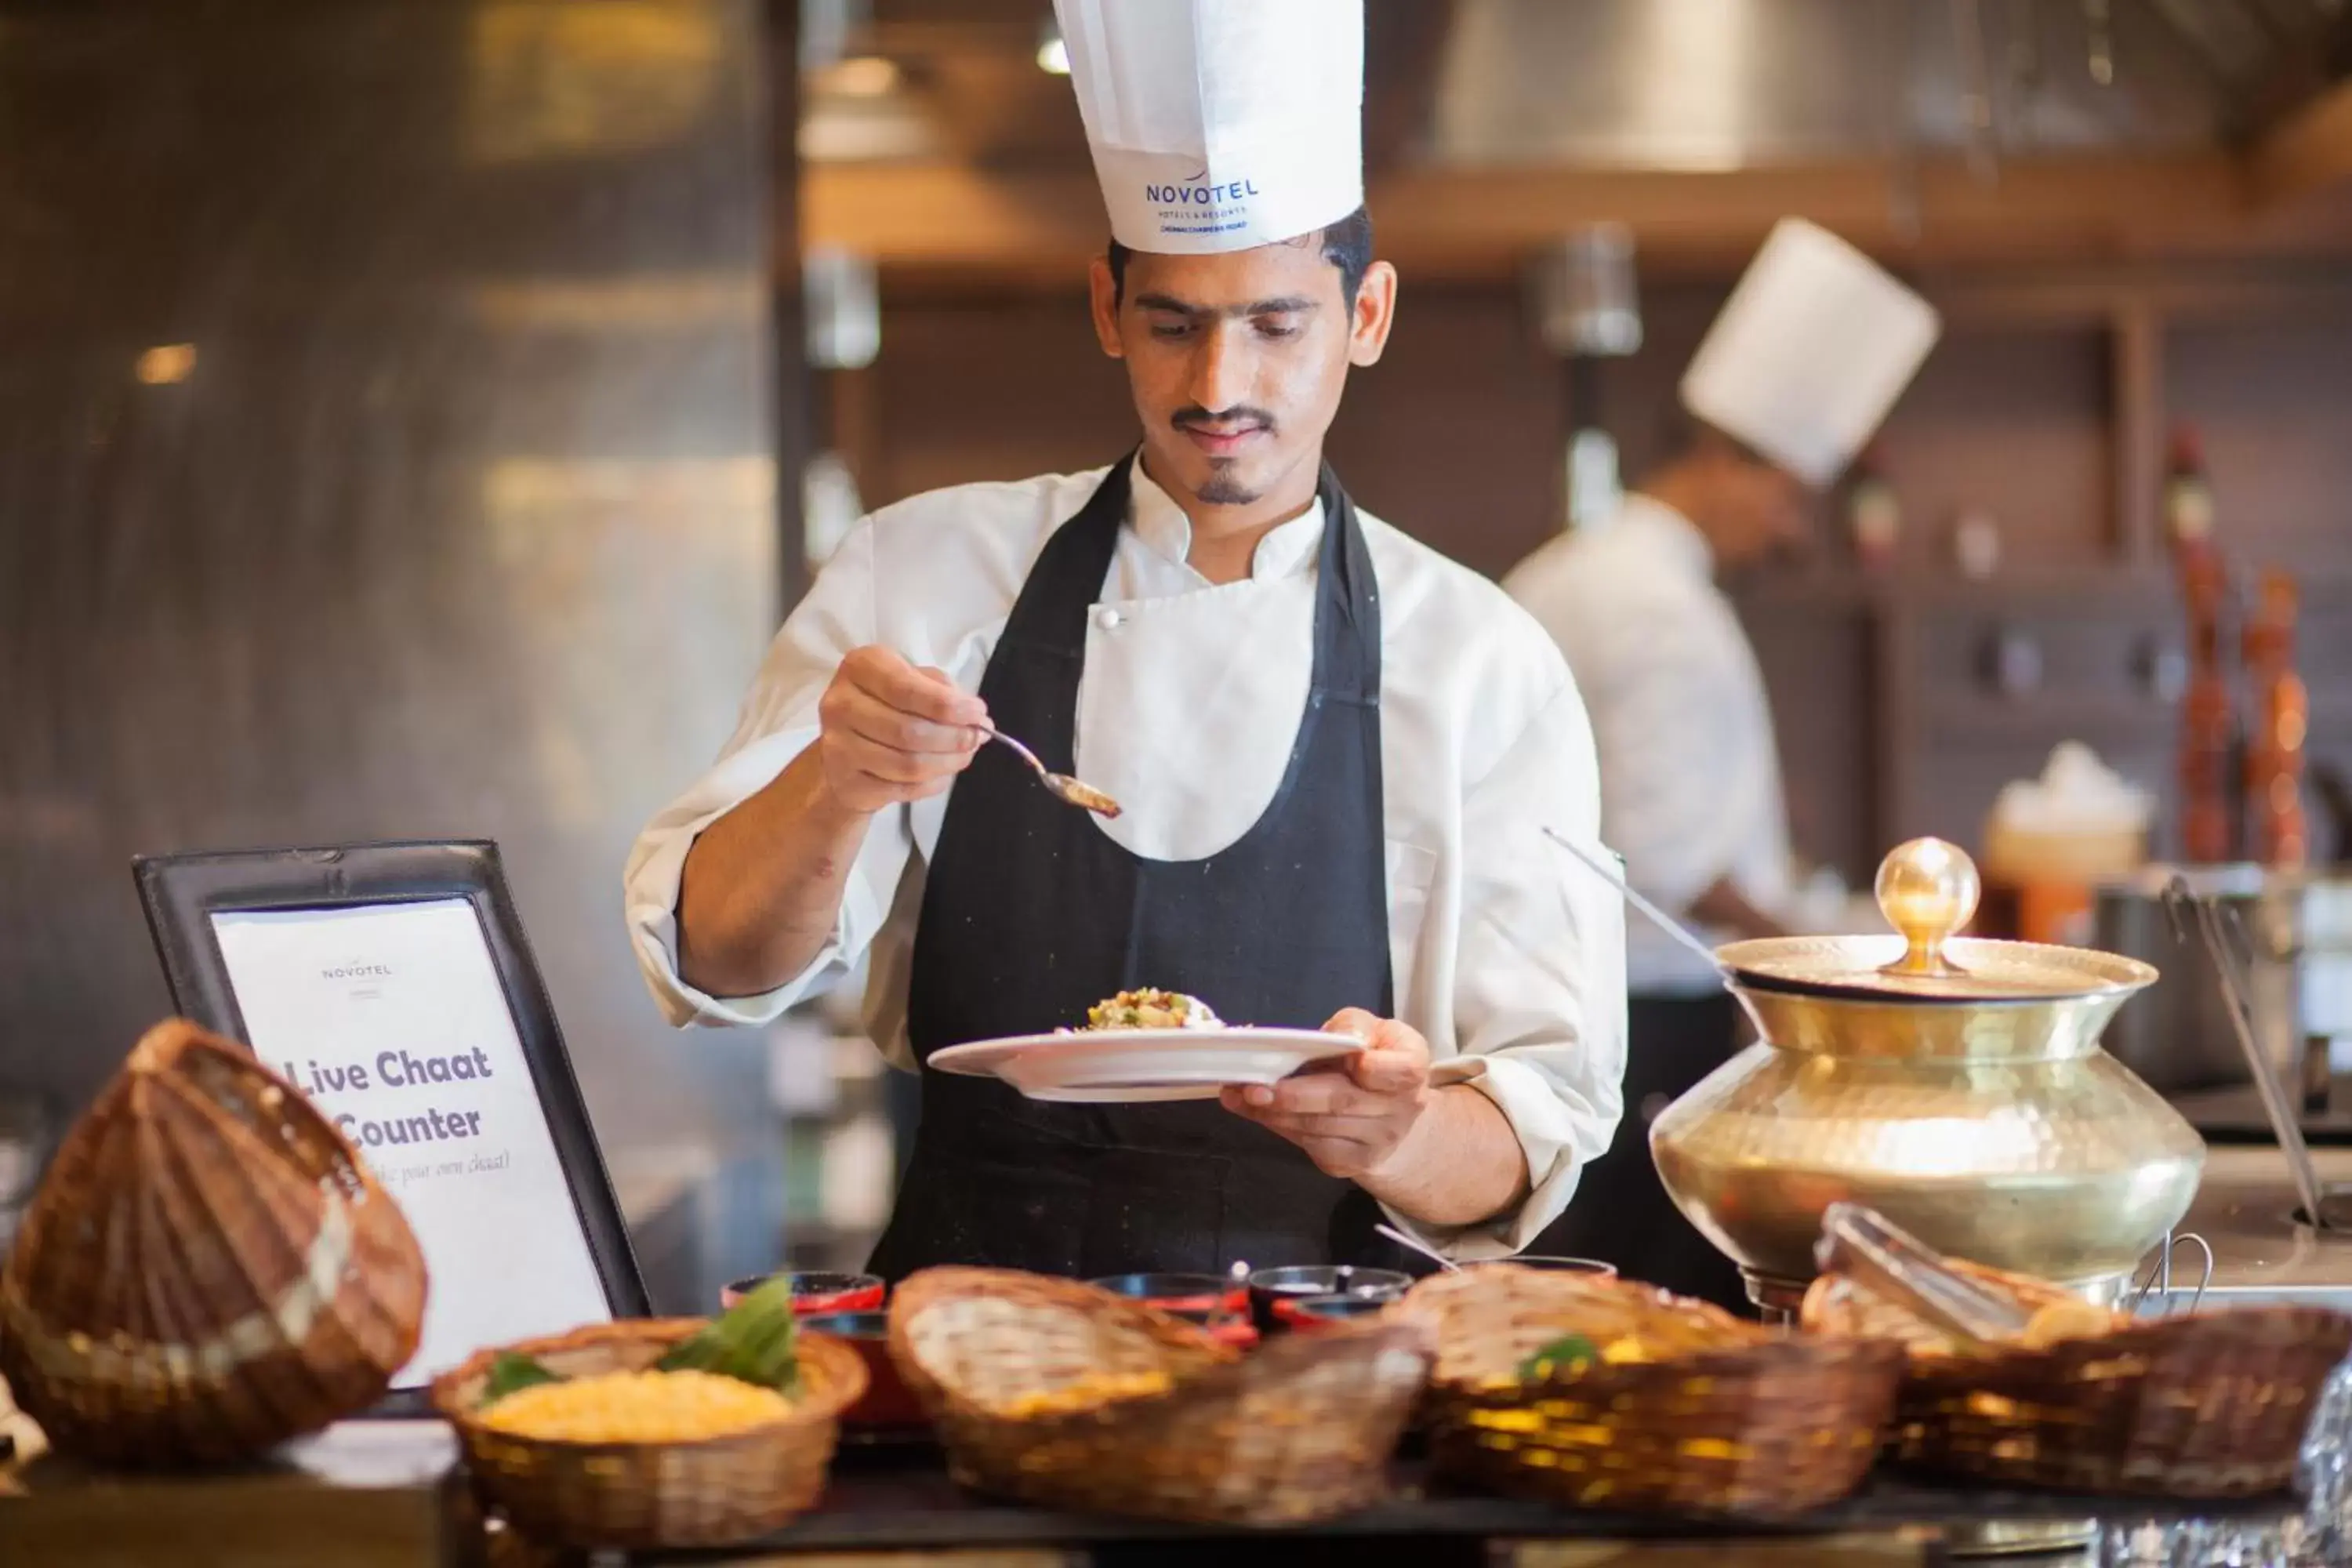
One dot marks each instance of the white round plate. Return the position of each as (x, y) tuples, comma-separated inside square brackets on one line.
[(1115, 1065)]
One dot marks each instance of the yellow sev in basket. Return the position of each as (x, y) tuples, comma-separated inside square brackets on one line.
[(1082, 1392), (636, 1407)]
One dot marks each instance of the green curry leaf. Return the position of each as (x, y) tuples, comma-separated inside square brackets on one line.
[(1568, 1351)]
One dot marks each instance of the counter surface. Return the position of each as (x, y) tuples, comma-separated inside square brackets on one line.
[(2245, 1211)]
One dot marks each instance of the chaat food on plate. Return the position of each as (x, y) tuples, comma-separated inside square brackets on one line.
[(1152, 1009)]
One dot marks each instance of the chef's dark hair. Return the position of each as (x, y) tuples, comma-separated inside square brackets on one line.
[(1347, 244)]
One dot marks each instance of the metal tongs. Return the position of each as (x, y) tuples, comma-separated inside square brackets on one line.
[(2158, 1281), (1865, 1245), (2214, 923)]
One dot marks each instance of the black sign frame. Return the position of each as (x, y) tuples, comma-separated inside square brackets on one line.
[(182, 892)]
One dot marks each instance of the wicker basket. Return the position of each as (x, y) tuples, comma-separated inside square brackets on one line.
[(1298, 1431), (714, 1492), (207, 1269), (2211, 1405), (1763, 1428)]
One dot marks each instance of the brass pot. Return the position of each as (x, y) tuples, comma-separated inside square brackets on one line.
[(1956, 1086)]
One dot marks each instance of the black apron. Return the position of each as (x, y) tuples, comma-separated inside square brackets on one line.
[(1621, 1213), (1032, 914)]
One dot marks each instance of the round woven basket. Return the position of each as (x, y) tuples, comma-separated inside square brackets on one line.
[(1298, 1431), (1730, 1420), (2208, 1404), (717, 1492)]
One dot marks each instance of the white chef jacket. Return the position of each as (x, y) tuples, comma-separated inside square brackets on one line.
[(1506, 954), (1690, 771)]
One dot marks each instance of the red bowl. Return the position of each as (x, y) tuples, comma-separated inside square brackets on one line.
[(1313, 1314), (887, 1401), (1210, 1300), (817, 1291), (1238, 1332), (1179, 1293)]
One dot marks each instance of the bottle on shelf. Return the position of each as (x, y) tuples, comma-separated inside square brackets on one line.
[(2277, 830), (2188, 494), (2207, 715)]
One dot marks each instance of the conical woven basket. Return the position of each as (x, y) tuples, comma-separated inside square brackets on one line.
[(207, 1269)]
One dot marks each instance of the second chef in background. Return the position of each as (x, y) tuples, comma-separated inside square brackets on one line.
[(1336, 749), (1811, 351)]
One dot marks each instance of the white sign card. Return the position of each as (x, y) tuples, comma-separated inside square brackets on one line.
[(390, 1017)]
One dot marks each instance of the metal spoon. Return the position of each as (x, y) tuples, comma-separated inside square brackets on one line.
[(1236, 1284), (1658, 917), (1401, 1239), (1062, 787), (1663, 921)]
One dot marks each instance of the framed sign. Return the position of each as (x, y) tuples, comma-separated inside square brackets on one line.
[(391, 983)]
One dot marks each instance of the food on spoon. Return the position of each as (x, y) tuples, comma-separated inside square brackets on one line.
[(636, 1407), (1152, 1009), (1085, 1392), (1086, 796)]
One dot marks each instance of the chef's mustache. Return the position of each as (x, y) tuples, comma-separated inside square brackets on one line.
[(1241, 415)]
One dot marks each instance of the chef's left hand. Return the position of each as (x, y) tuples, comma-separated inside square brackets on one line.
[(1351, 1114)]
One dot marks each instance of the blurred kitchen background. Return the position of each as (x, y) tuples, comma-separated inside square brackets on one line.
[(415, 414)]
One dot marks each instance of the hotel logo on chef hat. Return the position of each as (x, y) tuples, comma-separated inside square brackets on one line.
[(1219, 125), (1811, 350)]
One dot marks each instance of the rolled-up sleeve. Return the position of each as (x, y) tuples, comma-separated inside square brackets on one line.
[(1539, 996), (778, 722)]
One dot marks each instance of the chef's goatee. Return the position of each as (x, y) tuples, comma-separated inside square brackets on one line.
[(1218, 125)]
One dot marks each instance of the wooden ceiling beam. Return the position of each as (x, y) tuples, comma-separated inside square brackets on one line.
[(2307, 154), (949, 220)]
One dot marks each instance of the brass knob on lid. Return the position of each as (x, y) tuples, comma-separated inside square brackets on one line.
[(1928, 890)]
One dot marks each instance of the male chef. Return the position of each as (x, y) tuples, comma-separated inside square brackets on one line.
[(1337, 753), (1809, 353)]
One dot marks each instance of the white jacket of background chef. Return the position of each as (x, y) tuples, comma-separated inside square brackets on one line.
[(1690, 772), (1506, 955)]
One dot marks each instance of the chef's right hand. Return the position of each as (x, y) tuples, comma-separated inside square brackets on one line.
[(889, 732)]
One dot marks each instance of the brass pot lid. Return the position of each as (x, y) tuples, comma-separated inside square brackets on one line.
[(1929, 890)]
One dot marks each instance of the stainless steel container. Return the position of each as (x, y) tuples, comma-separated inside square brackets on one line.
[(2176, 1035)]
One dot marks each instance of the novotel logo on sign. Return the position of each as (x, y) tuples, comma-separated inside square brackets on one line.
[(1200, 195)]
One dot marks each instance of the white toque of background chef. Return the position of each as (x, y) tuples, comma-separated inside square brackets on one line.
[(1811, 350), (1337, 751)]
